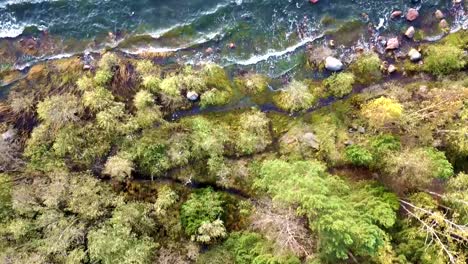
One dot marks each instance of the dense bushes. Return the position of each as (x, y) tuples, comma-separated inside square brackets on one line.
[(340, 84), (295, 97), (367, 68), (444, 59)]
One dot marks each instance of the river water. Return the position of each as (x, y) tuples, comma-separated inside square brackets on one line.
[(267, 33)]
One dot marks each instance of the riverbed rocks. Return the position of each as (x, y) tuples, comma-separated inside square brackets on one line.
[(443, 24), (410, 32), (392, 44), (392, 68), (333, 64), (412, 14), (396, 13), (414, 55), (192, 96), (438, 14)]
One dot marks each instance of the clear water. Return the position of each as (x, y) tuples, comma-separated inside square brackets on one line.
[(267, 33)]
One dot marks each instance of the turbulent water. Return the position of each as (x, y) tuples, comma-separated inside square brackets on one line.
[(267, 33)]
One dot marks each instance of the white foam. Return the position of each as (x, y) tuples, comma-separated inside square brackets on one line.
[(273, 53), (16, 2)]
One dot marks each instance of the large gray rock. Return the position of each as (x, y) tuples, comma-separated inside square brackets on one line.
[(414, 55), (410, 32), (333, 64), (192, 96), (311, 140)]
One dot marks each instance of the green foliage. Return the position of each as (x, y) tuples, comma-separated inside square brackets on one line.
[(152, 83), (85, 83), (169, 86), (214, 97), (118, 244), (146, 68), (295, 97), (150, 157), (251, 248), (344, 218), (202, 207), (254, 135), (358, 155), (108, 61), (252, 84), (135, 215), (118, 167), (143, 99), (110, 118), (383, 144), (58, 110), (444, 59), (442, 167), (340, 84), (207, 138), (456, 196), (103, 77), (5, 197), (166, 198), (366, 68), (97, 99)]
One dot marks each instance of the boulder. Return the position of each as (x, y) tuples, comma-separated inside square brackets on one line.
[(410, 32), (438, 14), (392, 44), (443, 24), (414, 55), (412, 14), (333, 64), (396, 13), (192, 96), (392, 68), (311, 140)]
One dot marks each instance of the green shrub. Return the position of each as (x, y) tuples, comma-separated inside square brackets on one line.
[(295, 97), (146, 68), (358, 155), (97, 99), (108, 61), (382, 111), (58, 110), (252, 83), (444, 59), (203, 206), (340, 84), (442, 167), (169, 86), (366, 68), (214, 97), (152, 83), (143, 99), (118, 167), (103, 77)]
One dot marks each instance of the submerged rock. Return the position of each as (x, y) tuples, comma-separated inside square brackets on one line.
[(414, 55), (392, 68), (443, 24), (396, 13), (438, 14), (333, 64), (412, 14), (392, 44), (192, 96), (410, 32)]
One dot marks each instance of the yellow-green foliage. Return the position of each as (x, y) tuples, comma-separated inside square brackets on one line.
[(252, 83), (340, 84), (214, 97), (146, 68), (152, 83), (119, 167), (254, 135), (169, 86), (110, 118), (191, 80), (143, 99), (444, 59), (382, 111), (97, 99), (85, 83), (295, 97), (103, 77), (367, 68), (108, 61), (215, 77), (458, 39), (59, 109)]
